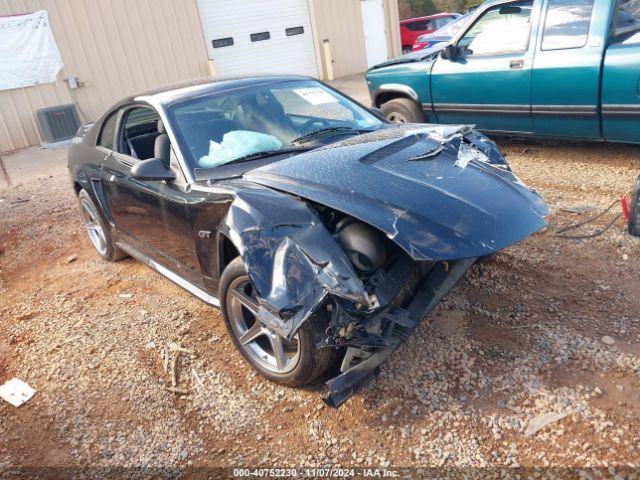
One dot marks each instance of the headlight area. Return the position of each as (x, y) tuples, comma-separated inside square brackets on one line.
[(402, 292)]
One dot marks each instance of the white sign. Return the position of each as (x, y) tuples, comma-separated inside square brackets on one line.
[(316, 95), (16, 392), (28, 51)]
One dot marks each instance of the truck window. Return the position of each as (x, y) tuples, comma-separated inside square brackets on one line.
[(627, 17), (501, 29), (567, 24)]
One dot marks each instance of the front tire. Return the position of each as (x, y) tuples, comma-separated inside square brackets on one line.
[(403, 110), (293, 363), (97, 231)]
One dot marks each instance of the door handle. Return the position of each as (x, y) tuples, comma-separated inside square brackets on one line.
[(516, 64)]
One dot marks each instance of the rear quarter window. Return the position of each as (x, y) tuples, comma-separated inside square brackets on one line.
[(627, 17), (107, 133), (567, 24)]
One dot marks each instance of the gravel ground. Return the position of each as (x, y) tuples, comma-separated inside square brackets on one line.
[(547, 329)]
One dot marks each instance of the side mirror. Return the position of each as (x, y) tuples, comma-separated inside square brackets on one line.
[(449, 52), (152, 169)]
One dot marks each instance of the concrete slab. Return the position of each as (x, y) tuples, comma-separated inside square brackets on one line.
[(32, 163), (355, 86)]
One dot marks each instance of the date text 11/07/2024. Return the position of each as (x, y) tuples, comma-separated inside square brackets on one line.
[(315, 473)]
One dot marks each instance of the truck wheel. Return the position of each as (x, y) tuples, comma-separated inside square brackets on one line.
[(407, 49), (99, 234), (634, 213), (403, 110), (292, 362)]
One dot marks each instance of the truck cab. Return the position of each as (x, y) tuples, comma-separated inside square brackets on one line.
[(554, 68)]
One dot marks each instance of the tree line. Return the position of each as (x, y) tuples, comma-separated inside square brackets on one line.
[(418, 8)]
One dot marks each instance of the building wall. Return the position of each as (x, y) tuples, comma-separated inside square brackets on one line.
[(117, 47), (392, 18), (340, 21)]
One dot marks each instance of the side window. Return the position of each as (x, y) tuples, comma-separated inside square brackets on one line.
[(627, 17), (501, 29), (108, 131), (567, 24), (417, 26), (138, 133)]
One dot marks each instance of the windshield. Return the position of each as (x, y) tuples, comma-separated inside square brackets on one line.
[(452, 28), (227, 127)]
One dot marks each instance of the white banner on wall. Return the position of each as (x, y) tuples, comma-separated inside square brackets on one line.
[(28, 51)]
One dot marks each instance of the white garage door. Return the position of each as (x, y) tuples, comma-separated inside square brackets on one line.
[(259, 36)]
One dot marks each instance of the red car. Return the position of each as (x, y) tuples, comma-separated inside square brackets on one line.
[(412, 28)]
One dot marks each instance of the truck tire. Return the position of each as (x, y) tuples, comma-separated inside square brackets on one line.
[(634, 211), (403, 110)]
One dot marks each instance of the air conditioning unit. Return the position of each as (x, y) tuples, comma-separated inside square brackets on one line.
[(58, 123)]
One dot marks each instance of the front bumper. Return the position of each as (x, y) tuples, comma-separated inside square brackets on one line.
[(357, 371)]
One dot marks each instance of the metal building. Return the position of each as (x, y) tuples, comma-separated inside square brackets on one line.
[(118, 47)]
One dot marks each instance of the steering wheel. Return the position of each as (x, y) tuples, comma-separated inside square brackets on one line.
[(307, 127)]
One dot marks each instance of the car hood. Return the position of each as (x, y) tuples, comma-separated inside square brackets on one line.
[(417, 56), (439, 192)]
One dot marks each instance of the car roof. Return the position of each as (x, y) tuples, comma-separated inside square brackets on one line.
[(427, 17), (202, 86)]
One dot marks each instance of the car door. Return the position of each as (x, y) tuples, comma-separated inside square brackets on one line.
[(566, 71), (182, 236), (134, 205), (488, 83), (621, 76)]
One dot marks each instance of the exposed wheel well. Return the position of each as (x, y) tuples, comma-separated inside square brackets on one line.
[(384, 97), (77, 187), (228, 252)]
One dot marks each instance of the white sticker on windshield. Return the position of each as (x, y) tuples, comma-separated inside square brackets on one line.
[(315, 95)]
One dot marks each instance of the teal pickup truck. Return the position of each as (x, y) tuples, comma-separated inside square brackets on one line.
[(554, 68)]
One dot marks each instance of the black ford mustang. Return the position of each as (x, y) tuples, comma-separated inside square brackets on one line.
[(322, 231)]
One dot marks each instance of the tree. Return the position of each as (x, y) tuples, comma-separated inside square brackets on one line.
[(404, 9), (419, 8), (422, 7)]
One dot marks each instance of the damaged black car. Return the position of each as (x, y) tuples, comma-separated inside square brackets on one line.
[(324, 233)]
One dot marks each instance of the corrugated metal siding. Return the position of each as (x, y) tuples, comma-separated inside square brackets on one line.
[(340, 21), (117, 47), (392, 18)]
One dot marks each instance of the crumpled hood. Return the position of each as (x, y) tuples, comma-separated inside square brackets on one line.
[(416, 56), (439, 192)]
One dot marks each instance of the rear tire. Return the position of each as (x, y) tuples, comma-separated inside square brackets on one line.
[(98, 232), (407, 49), (634, 212), (303, 361), (403, 110)]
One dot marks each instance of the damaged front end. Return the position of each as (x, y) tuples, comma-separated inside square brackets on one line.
[(369, 234)]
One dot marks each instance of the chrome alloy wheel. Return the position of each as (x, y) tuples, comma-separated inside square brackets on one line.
[(267, 349), (93, 226)]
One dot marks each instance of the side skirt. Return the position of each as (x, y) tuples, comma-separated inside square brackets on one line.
[(171, 275)]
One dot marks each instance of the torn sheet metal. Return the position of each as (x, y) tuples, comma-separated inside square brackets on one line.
[(431, 208), (16, 392), (358, 369), (292, 260)]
